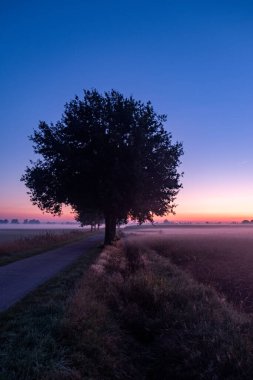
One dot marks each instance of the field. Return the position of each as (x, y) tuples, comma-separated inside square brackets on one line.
[(172, 302), (193, 230), (138, 315), (11, 233), (18, 243), (217, 256)]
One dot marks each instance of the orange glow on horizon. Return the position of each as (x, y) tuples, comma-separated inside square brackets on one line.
[(192, 207), (194, 218), (25, 210), (223, 218)]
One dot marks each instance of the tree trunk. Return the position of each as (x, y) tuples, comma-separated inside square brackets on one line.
[(110, 229)]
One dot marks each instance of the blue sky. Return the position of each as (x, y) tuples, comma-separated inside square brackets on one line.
[(192, 59)]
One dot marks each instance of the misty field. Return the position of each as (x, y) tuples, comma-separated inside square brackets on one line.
[(217, 256), (16, 244), (11, 233), (137, 315), (161, 303)]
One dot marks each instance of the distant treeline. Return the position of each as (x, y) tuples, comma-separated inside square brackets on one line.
[(31, 221), (16, 221)]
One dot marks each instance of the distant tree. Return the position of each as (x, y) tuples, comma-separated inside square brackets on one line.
[(34, 221), (90, 218), (245, 221), (108, 154), (14, 221), (4, 221)]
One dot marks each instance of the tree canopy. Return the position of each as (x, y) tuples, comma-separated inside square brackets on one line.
[(108, 154)]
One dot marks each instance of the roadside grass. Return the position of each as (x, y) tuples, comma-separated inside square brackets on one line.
[(222, 262), (135, 315), (32, 245), (29, 332)]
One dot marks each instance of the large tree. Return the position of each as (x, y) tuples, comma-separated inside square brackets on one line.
[(110, 154)]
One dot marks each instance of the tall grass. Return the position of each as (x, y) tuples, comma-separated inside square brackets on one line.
[(136, 315), (28, 246)]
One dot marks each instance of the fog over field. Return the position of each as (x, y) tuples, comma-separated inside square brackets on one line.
[(12, 232), (220, 256), (194, 230), (9, 233)]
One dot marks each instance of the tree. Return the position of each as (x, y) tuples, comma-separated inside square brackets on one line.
[(108, 154), (4, 221), (90, 218)]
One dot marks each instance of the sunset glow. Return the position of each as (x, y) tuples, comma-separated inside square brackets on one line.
[(192, 60)]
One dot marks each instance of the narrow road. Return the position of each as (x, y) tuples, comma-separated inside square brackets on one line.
[(21, 277)]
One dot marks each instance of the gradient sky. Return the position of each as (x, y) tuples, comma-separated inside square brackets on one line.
[(192, 59)]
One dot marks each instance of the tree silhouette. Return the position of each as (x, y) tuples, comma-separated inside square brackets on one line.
[(109, 154), (90, 218)]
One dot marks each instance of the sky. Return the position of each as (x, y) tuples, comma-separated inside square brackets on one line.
[(192, 59)]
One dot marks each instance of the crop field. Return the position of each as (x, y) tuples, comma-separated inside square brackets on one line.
[(135, 300), (16, 244), (217, 256), (11, 234), (193, 230), (163, 302)]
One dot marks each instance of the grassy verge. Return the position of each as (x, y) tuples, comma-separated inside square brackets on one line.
[(29, 246), (30, 347), (135, 315)]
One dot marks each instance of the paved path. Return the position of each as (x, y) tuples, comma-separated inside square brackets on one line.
[(21, 277)]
